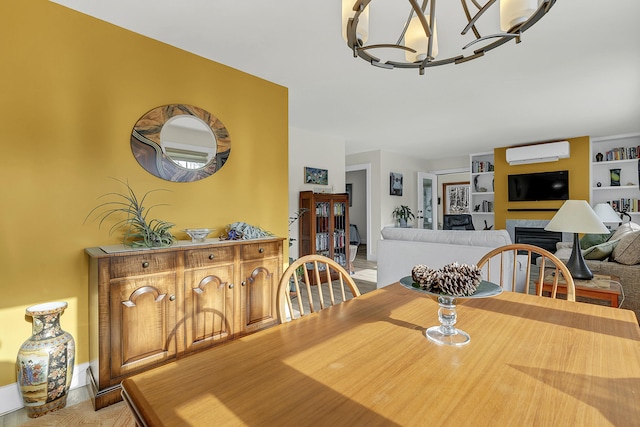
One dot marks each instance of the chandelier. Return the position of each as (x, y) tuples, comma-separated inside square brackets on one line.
[(417, 41)]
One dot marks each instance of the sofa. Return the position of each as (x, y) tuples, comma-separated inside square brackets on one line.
[(400, 249), (615, 254)]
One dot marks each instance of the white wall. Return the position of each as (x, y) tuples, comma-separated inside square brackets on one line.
[(382, 202), (372, 160), (409, 167), (317, 151)]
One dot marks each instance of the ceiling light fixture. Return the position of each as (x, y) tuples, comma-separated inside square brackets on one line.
[(418, 38)]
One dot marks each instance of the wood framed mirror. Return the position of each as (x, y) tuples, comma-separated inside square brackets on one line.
[(180, 143)]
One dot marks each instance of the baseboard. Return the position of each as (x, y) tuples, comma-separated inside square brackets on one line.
[(10, 399)]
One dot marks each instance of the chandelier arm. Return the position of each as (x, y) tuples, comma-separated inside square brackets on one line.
[(548, 5), (421, 17), (367, 57), (382, 65), (432, 18), (352, 23), (426, 64), (508, 36), (497, 43), (404, 30), (406, 24), (472, 22), (468, 15), (386, 45), (476, 55)]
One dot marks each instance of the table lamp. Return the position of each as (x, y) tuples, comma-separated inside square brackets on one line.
[(606, 213), (576, 216)]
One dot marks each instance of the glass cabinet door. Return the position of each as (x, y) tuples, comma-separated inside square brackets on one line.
[(340, 243), (322, 228), (427, 201)]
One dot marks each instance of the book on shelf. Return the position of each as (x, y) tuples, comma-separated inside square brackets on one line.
[(487, 206), (480, 167), (625, 205), (622, 153)]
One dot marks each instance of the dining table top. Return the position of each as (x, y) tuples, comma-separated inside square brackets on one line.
[(531, 361)]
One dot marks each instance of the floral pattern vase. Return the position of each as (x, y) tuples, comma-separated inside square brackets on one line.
[(45, 361)]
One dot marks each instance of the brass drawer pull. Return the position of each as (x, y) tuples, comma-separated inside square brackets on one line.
[(145, 264), (244, 283), (261, 250), (172, 298), (230, 285), (211, 256)]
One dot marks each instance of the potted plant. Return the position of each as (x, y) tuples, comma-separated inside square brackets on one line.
[(403, 214), (139, 230)]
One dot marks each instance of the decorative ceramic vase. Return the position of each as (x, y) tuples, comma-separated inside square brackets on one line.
[(45, 361)]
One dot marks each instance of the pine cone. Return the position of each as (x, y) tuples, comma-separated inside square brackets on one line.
[(459, 279), (423, 275)]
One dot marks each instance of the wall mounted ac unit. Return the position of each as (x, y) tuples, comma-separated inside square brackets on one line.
[(539, 153)]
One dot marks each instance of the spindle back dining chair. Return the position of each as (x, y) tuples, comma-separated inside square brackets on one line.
[(312, 283), (528, 264)]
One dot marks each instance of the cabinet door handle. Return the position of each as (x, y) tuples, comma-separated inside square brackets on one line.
[(211, 256), (261, 250), (244, 283), (172, 298), (145, 264), (230, 285)]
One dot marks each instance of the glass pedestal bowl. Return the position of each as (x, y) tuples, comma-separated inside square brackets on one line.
[(198, 234), (446, 333)]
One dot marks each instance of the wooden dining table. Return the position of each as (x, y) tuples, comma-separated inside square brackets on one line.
[(531, 361)]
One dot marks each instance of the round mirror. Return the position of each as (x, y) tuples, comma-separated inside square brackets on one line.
[(180, 143)]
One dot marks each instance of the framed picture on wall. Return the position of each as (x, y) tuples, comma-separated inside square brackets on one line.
[(395, 184), (349, 189), (455, 197), (316, 176)]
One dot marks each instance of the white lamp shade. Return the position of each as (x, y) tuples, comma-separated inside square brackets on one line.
[(606, 213), (362, 31), (515, 12), (416, 39), (576, 216)]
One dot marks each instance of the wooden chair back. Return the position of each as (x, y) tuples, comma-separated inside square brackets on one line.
[(506, 261), (318, 282)]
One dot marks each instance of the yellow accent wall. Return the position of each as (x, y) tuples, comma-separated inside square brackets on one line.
[(71, 89), (577, 165)]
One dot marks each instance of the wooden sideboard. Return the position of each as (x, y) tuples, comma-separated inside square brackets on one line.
[(149, 307)]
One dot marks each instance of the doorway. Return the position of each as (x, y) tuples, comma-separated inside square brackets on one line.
[(427, 216), (359, 176)]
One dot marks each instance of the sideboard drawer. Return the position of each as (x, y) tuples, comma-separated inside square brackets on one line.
[(260, 250), (123, 266), (205, 257)]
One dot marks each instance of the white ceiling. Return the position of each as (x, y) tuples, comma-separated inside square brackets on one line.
[(576, 72)]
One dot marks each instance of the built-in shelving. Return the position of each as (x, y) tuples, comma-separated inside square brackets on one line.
[(623, 197), (482, 189)]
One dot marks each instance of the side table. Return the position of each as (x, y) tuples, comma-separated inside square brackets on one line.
[(603, 287)]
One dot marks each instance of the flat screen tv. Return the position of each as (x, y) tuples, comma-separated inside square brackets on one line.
[(531, 187)]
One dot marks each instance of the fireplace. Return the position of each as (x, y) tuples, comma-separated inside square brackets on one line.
[(538, 237)]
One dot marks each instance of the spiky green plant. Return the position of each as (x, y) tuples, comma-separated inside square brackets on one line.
[(138, 230)]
